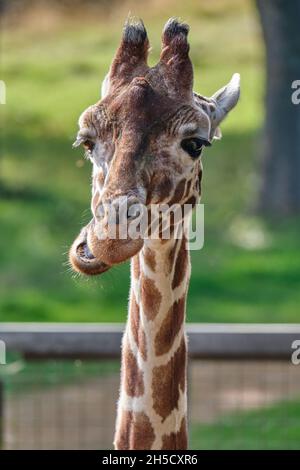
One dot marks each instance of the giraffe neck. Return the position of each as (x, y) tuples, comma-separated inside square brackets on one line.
[(153, 404)]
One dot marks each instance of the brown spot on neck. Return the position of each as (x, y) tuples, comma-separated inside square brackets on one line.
[(181, 264), (149, 257), (133, 376), (170, 327), (137, 328), (176, 440), (150, 296), (167, 381), (135, 432)]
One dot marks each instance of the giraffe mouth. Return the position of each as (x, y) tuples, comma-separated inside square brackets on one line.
[(83, 260), (89, 255)]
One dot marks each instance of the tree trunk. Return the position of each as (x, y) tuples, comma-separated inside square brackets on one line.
[(280, 191)]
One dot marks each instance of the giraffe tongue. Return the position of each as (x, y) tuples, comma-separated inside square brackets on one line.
[(83, 260), (84, 251), (87, 252)]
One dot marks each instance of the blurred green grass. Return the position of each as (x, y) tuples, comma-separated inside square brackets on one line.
[(22, 376), (273, 428), (248, 270)]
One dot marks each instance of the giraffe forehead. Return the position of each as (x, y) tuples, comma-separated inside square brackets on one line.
[(142, 113), (140, 106), (145, 101)]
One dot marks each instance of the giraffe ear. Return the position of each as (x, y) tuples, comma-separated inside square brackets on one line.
[(219, 104), (225, 99)]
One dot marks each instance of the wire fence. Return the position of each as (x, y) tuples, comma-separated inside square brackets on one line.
[(241, 401)]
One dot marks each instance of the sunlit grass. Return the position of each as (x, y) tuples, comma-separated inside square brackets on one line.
[(274, 428)]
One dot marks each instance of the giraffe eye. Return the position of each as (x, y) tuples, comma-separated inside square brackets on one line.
[(89, 145), (193, 146)]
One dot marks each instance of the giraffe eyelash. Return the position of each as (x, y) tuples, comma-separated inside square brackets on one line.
[(194, 146)]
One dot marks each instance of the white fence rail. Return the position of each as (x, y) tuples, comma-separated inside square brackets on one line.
[(86, 340)]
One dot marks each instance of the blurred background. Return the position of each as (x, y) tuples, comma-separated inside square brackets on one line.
[(53, 58)]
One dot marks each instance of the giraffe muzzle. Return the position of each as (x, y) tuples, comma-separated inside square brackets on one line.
[(91, 256), (82, 258)]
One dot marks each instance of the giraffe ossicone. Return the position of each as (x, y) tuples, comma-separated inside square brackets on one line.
[(145, 139)]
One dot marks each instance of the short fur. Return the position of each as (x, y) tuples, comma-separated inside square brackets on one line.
[(136, 130)]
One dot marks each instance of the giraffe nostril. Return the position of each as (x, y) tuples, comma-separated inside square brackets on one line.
[(118, 211)]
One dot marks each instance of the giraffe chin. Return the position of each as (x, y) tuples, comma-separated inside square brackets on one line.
[(91, 256)]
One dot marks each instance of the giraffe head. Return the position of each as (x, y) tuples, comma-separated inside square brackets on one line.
[(145, 138)]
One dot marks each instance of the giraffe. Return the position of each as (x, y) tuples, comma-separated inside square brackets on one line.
[(145, 139)]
